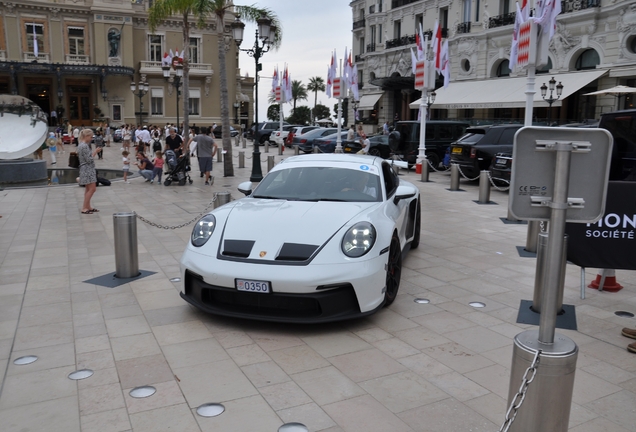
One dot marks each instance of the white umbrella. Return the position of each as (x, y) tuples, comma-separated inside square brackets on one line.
[(615, 91), (325, 120)]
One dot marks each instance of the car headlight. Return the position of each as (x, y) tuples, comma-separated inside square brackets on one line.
[(203, 230), (358, 240)]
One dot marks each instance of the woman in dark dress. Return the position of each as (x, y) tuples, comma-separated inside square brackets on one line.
[(87, 175)]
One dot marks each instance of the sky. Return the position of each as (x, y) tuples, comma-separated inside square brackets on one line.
[(311, 31)]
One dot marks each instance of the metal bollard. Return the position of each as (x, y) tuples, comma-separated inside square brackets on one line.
[(280, 149), (484, 187), (454, 186), (548, 399), (510, 217), (219, 155), (266, 146), (126, 258), (542, 264), (425, 171), (222, 198), (241, 157), (244, 142), (296, 150), (316, 150), (533, 234), (270, 163)]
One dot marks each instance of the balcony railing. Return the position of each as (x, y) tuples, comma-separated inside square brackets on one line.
[(502, 20), (195, 68), (401, 41), (371, 47), (463, 27), (357, 58), (577, 5), (29, 57), (399, 3), (429, 33), (358, 24), (77, 59)]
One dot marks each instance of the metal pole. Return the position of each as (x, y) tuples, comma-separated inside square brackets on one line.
[(454, 186), (296, 150), (222, 198), (125, 233), (531, 237), (241, 157), (343, 90), (219, 155), (257, 173), (542, 264), (484, 187), (266, 146), (270, 163), (582, 283), (177, 81), (421, 156), (280, 149), (425, 172)]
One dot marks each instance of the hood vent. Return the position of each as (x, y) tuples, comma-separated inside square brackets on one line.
[(237, 248), (296, 252)]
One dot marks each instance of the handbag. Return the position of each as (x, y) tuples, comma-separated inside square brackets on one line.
[(73, 160)]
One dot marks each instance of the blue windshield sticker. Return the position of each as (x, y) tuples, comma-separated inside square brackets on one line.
[(364, 167)]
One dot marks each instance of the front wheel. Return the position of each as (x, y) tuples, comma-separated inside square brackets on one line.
[(374, 152), (433, 160), (167, 182), (393, 270)]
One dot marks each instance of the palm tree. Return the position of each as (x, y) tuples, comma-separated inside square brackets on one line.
[(219, 8), (299, 92), (162, 9), (315, 85)]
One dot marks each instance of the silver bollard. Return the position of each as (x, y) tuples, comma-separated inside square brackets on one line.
[(542, 264), (510, 216), (425, 171), (270, 163), (241, 157), (244, 142), (454, 186), (296, 150), (222, 198), (126, 257), (280, 149), (533, 233), (484, 187), (549, 397), (316, 150), (219, 155), (266, 146)]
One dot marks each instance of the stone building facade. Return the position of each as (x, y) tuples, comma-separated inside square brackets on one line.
[(594, 48), (89, 52)]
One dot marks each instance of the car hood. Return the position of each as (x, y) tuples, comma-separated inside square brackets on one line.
[(298, 228)]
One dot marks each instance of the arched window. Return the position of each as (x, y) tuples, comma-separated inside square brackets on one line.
[(503, 69), (546, 68), (588, 59)]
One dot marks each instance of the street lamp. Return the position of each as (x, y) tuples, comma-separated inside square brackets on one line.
[(263, 31), (430, 100), (550, 100), (141, 89), (175, 81)]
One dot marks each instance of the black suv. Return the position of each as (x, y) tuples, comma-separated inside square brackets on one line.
[(405, 139), (263, 131), (474, 151)]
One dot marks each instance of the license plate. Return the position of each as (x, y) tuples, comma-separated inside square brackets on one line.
[(500, 161), (457, 150), (347, 150), (252, 286)]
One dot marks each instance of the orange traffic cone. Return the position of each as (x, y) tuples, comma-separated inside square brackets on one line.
[(610, 283)]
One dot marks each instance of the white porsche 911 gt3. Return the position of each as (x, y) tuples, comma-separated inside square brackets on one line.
[(321, 238)]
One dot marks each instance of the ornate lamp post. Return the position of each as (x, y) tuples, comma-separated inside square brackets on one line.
[(141, 89), (430, 100), (175, 81), (263, 32), (550, 100)]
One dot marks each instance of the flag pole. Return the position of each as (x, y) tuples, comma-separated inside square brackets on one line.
[(342, 90), (280, 108)]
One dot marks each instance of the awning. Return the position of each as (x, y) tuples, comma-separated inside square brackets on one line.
[(368, 101), (506, 92)]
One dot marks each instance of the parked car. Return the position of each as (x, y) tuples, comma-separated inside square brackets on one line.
[(474, 151), (263, 131), (305, 142), (218, 132), (118, 136), (405, 139), (327, 144), (622, 126), (343, 261), (378, 146), (501, 168), (278, 137)]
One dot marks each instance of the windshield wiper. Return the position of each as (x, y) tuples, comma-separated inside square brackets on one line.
[(266, 197)]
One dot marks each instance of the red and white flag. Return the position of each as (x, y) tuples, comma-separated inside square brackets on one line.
[(419, 41), (354, 82), (331, 74), (445, 63), (437, 47), (514, 48), (275, 80), (547, 12)]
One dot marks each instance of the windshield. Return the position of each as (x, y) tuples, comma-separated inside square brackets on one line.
[(471, 138), (315, 183)]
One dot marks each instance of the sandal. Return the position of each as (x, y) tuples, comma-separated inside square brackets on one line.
[(87, 212), (94, 210)]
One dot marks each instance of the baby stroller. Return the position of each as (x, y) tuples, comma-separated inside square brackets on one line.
[(178, 169)]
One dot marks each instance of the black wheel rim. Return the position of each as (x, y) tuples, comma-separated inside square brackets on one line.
[(394, 268)]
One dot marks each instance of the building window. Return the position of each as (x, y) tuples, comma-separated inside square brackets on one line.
[(76, 41), (362, 45), (195, 49), (545, 69), (39, 37), (443, 17), (589, 59), (397, 29), (373, 34), (467, 6), (503, 70), (156, 101), (117, 116), (379, 5), (379, 33), (155, 47), (194, 102), (476, 10), (419, 23)]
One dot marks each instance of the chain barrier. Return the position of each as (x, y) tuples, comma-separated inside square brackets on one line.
[(166, 227), (517, 401), (492, 182), (464, 175), (446, 168)]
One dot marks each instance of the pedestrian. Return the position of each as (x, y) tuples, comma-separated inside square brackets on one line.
[(361, 132), (76, 134), (174, 142), (108, 135), (396, 119), (630, 333), (193, 152), (385, 128), (99, 144), (158, 169), (145, 167), (87, 174), (127, 137), (351, 133), (365, 143), (52, 143), (144, 137), (126, 163), (206, 149)]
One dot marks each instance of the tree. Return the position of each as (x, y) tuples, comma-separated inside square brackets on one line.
[(321, 111), (273, 112), (315, 85), (219, 8), (299, 92), (300, 115), (345, 111), (162, 9)]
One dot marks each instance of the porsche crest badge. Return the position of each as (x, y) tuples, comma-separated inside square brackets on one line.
[(262, 254)]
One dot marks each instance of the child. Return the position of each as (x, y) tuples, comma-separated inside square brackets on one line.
[(158, 169), (126, 162)]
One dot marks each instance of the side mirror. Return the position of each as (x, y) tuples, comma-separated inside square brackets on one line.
[(404, 192), (245, 188)]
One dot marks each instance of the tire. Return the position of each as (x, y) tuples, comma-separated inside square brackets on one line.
[(393, 270), (190, 181), (433, 159), (167, 182), (182, 182), (262, 140), (418, 226), (375, 152)]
